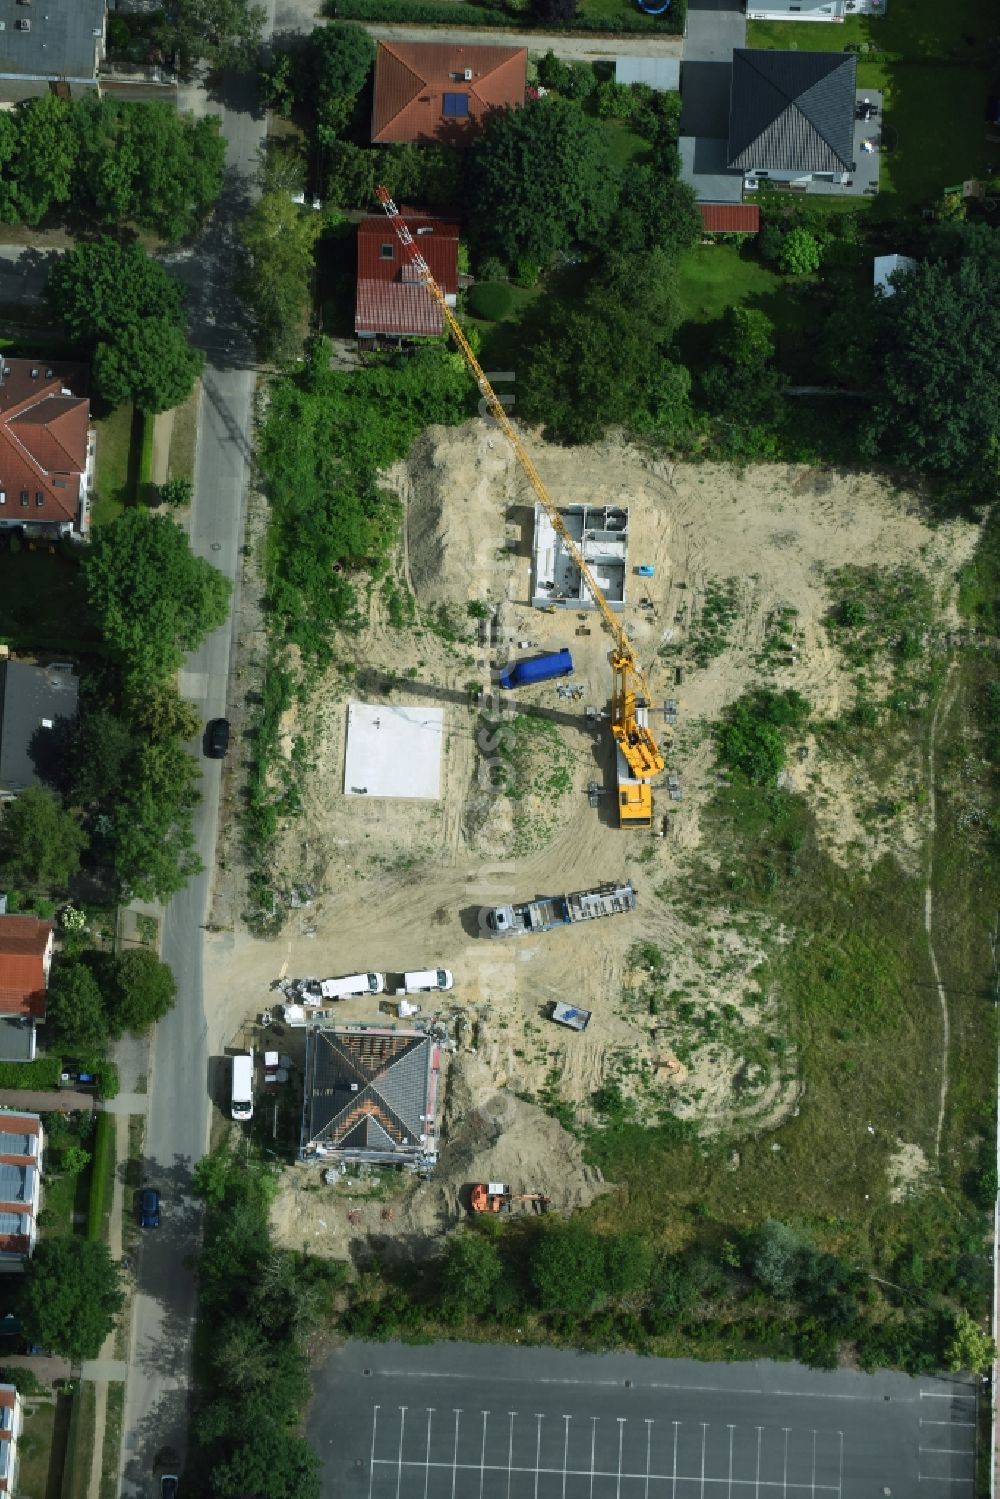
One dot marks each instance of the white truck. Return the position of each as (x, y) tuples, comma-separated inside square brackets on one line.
[(426, 980), (241, 1087)]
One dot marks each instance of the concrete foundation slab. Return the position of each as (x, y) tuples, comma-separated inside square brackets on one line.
[(393, 750)]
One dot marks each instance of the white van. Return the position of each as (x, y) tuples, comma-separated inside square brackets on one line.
[(423, 980), (241, 1091), (353, 985)]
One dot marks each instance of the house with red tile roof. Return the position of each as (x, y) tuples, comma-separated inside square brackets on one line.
[(25, 960), (21, 1144), (10, 1430), (391, 302), (46, 449), (439, 91)]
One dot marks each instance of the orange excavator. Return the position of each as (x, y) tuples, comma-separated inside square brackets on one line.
[(495, 1197)]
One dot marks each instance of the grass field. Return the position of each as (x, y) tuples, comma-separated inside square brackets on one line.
[(80, 1443), (41, 1452), (43, 605), (180, 464), (117, 465), (711, 278)]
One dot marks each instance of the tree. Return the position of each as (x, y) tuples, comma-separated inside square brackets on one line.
[(347, 174), (800, 253), (176, 493), (576, 389), (45, 158), (211, 1178), (567, 1268), (161, 714), (971, 1347), (150, 364), (750, 741), (332, 68), (75, 1010), (628, 1263), (267, 1464), (99, 289), (279, 238), (70, 1296), (40, 844), (938, 343), (102, 749), (747, 338), (221, 33), (541, 178), (774, 1258), (151, 844), (470, 1271), (143, 991), (656, 212), (153, 597)]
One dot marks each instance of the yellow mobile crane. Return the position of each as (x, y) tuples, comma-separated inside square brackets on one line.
[(630, 695)]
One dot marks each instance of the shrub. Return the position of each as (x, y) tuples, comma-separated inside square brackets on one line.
[(769, 243), (800, 253), (175, 492), (491, 300), (526, 273)]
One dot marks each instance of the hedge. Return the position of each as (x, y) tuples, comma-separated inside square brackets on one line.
[(45, 1073), (101, 1174), (490, 299), (429, 13)]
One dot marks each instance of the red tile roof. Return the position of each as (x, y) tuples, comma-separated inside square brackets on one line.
[(732, 218), (390, 298), (411, 79), (23, 941), (43, 440)]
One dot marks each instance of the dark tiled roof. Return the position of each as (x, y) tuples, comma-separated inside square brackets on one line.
[(367, 1090), (792, 111), (718, 218), (412, 78), (32, 698), (63, 39)]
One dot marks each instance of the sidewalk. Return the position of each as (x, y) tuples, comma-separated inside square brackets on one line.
[(63, 1101)]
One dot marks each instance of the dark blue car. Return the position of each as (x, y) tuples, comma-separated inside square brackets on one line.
[(149, 1208)]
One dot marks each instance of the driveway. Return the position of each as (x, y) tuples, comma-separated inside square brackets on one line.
[(715, 29), (178, 1102)]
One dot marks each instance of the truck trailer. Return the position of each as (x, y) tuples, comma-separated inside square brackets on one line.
[(548, 911), (537, 669)]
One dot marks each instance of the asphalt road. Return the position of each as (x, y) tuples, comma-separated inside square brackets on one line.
[(179, 1106), (465, 1421)]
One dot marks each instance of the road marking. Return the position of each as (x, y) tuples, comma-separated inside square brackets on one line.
[(673, 1487), (510, 1450), (482, 1456), (760, 1432), (649, 1434), (371, 1464), (399, 1455), (923, 1422), (660, 1384), (621, 1435), (840, 1473), (704, 1434), (427, 1457), (627, 1476), (784, 1481), (814, 1464), (731, 1430), (946, 1395), (593, 1439), (932, 1478), (565, 1456), (953, 1451), (454, 1458), (538, 1451)]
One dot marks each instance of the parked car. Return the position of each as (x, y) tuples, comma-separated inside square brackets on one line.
[(149, 1208), (168, 1486), (217, 738)]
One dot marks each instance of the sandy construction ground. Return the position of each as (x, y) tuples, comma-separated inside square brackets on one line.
[(398, 884)]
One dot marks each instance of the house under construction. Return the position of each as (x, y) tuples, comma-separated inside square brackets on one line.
[(601, 533), (371, 1094)]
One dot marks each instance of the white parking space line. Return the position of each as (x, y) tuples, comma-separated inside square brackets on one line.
[(427, 1458), (454, 1460), (840, 1471), (510, 1450), (946, 1395), (567, 1419), (593, 1439), (924, 1422), (673, 1490), (371, 1465), (731, 1430), (482, 1456), (704, 1435), (649, 1435), (399, 1456), (760, 1433), (950, 1451), (784, 1479), (621, 1433), (814, 1464), (538, 1450)]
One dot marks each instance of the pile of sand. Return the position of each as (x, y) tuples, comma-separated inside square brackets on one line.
[(454, 495)]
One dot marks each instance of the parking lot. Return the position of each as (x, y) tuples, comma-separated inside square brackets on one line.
[(466, 1422)]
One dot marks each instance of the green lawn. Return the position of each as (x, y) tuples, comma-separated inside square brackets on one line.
[(627, 148), (933, 67), (41, 1452), (42, 602), (711, 278), (117, 464)]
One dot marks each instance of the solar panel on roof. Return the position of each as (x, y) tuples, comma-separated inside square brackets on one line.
[(455, 106)]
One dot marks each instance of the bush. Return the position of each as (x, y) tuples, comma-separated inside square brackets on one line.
[(526, 273), (568, 1268), (429, 13), (800, 253), (491, 300), (45, 1073), (176, 492), (769, 243)]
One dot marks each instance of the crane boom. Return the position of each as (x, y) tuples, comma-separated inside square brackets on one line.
[(630, 694)]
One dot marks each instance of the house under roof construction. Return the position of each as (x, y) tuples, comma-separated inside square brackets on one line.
[(371, 1095)]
